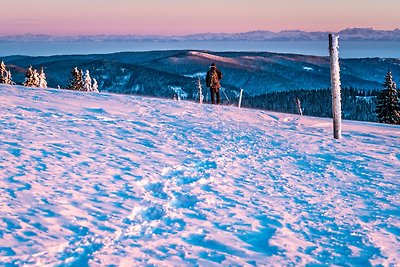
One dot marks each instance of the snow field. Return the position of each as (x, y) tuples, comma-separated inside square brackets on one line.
[(100, 179)]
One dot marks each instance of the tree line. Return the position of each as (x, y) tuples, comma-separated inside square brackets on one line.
[(357, 104), (33, 78)]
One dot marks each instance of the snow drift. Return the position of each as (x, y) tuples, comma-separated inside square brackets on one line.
[(101, 179)]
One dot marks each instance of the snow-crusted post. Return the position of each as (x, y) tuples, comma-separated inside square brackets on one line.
[(200, 91), (335, 86), (240, 98), (298, 105)]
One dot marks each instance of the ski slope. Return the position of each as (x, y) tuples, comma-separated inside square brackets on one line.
[(110, 180)]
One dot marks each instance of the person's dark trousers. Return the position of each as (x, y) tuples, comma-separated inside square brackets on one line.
[(215, 94)]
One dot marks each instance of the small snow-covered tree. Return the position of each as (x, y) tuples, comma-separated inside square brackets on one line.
[(42, 79), (36, 79), (95, 87), (75, 82), (87, 82), (2, 67), (29, 78), (9, 78), (3, 72), (82, 81), (5, 75), (388, 104)]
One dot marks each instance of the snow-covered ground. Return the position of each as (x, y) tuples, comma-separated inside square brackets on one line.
[(99, 179)]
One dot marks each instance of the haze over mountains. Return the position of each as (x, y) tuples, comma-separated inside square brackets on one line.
[(350, 34)]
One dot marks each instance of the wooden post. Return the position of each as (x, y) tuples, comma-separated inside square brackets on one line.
[(335, 86), (298, 104), (240, 98), (200, 91)]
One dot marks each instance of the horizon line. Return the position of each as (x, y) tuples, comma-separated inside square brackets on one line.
[(189, 34)]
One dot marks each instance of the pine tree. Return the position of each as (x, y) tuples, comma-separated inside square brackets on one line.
[(8, 78), (42, 79), (75, 82), (36, 79), (5, 75), (87, 82), (29, 78), (95, 86), (388, 104), (81, 78), (3, 72)]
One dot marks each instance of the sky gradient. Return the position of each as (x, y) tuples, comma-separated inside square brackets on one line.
[(179, 17)]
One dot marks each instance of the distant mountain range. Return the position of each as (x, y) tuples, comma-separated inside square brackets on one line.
[(353, 34), (163, 73)]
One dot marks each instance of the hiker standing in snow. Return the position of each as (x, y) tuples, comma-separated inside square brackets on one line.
[(214, 75)]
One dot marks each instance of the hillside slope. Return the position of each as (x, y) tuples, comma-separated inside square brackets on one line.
[(100, 179), (156, 73)]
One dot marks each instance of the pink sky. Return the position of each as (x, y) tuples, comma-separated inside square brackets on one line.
[(176, 17)]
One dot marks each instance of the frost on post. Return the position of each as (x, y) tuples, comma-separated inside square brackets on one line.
[(335, 85), (298, 105), (240, 98), (200, 91)]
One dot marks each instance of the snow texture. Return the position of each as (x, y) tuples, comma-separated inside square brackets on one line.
[(102, 179)]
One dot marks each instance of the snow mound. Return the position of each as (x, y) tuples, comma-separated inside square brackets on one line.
[(101, 179)]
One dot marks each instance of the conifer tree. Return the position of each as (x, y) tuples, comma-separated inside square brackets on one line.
[(75, 82), (87, 82), (29, 78), (36, 79), (8, 78), (388, 104), (95, 86), (81, 79), (42, 79), (3, 72), (5, 75)]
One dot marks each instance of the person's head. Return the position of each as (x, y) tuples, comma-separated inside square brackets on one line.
[(213, 66)]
